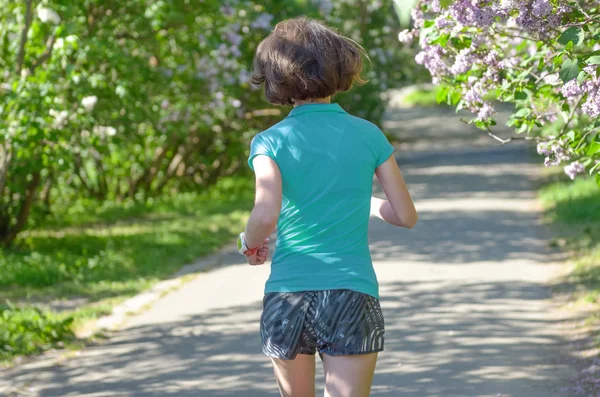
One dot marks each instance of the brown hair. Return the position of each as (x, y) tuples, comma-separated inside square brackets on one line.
[(304, 59)]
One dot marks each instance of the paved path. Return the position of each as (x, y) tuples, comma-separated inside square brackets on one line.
[(467, 313)]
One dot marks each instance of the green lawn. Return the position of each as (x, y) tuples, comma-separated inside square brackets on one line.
[(575, 208), (422, 97), (100, 255)]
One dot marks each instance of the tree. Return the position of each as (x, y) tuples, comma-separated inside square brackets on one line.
[(541, 55)]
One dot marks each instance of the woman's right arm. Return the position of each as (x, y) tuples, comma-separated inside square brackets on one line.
[(398, 209)]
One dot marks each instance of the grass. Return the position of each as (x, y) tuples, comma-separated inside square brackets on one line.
[(426, 97), (88, 257), (422, 97), (575, 208)]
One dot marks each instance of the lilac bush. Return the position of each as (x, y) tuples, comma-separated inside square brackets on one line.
[(542, 56)]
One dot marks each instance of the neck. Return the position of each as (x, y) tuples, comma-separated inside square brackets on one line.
[(298, 102)]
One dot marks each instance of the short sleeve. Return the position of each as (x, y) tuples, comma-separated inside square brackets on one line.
[(260, 146), (384, 149)]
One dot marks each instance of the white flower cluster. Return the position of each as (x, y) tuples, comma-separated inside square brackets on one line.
[(47, 15)]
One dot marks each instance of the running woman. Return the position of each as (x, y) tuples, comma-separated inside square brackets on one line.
[(314, 176)]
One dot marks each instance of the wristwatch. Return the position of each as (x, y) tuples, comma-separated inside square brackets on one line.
[(243, 247)]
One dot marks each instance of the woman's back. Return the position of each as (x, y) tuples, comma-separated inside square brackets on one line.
[(327, 160)]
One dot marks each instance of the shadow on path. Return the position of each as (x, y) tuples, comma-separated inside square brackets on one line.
[(433, 338)]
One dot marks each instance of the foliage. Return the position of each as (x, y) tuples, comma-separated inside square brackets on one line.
[(422, 97), (575, 207), (128, 100), (92, 251), (101, 253), (29, 331), (542, 56)]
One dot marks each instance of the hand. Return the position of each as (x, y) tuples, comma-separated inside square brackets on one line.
[(260, 256)]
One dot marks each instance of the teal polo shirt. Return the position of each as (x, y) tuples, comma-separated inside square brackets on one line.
[(327, 160)]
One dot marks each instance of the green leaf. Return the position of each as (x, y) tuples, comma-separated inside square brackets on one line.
[(441, 95), (569, 70), (573, 34), (571, 135), (520, 95), (593, 60), (524, 112), (598, 179), (455, 97), (594, 148), (581, 77)]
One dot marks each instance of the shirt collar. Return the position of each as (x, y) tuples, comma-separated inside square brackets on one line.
[(316, 108)]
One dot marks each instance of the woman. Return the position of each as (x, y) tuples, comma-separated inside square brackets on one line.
[(314, 173)]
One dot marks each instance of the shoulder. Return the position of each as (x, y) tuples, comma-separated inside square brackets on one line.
[(363, 125), (276, 133)]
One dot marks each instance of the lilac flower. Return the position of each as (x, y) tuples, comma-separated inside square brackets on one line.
[(550, 161), (227, 10), (463, 11), (486, 111), (407, 36), (432, 58), (442, 22), (574, 168), (591, 107), (463, 62), (263, 21), (544, 149), (46, 15), (541, 8), (571, 89), (234, 38), (552, 79), (436, 6), (417, 17), (89, 102)]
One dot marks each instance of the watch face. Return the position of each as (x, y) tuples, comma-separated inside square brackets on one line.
[(239, 243)]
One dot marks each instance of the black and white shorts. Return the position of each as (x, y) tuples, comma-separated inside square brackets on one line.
[(332, 322)]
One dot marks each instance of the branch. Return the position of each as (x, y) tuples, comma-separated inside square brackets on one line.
[(25, 209), (564, 130), (504, 141), (6, 158), (45, 55), (510, 139), (21, 53)]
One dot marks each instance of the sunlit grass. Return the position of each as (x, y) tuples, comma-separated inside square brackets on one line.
[(575, 208), (102, 255)]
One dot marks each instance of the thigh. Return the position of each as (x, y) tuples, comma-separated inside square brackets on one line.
[(349, 376), (296, 378)]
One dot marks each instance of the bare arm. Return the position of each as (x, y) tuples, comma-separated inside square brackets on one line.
[(398, 209), (267, 203)]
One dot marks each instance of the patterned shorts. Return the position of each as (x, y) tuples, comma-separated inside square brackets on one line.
[(333, 322)]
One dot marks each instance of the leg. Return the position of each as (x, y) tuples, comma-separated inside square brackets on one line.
[(296, 378), (349, 376)]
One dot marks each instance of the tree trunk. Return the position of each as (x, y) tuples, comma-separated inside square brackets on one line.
[(24, 211)]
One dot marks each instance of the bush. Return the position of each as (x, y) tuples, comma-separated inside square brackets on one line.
[(30, 331)]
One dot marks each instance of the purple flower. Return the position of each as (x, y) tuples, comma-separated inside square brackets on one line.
[(486, 111), (574, 168), (463, 62), (436, 6), (432, 58), (550, 161), (571, 89), (442, 22), (407, 36), (541, 8), (544, 149), (591, 107), (417, 17)]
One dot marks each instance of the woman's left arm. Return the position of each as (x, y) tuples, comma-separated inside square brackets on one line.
[(267, 204)]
